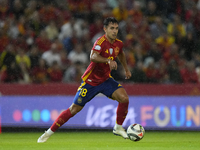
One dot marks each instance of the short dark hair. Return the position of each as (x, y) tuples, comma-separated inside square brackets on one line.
[(110, 20)]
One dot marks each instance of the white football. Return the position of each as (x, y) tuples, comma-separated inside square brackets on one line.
[(135, 132)]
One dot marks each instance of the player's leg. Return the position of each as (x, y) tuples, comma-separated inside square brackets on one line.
[(61, 119), (84, 94), (114, 90), (65, 116), (121, 96)]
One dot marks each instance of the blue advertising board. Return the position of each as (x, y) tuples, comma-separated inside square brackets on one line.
[(153, 112)]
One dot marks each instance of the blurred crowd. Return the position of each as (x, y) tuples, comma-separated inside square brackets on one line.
[(43, 41)]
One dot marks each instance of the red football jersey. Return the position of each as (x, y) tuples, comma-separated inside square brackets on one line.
[(97, 73)]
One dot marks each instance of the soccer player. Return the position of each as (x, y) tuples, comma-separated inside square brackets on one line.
[(97, 79)]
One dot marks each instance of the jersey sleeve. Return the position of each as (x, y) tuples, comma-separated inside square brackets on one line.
[(98, 45)]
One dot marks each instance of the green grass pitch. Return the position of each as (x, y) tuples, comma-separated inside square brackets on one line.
[(101, 140)]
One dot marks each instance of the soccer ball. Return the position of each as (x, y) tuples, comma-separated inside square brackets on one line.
[(135, 132)]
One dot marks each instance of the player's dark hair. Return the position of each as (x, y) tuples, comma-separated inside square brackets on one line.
[(110, 20)]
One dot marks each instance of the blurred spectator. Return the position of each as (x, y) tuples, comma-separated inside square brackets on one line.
[(77, 54), (189, 18), (31, 7), (22, 57), (174, 72), (55, 72), (138, 53), (11, 74), (59, 43), (157, 28), (198, 70), (162, 74), (196, 59), (151, 11), (95, 27), (20, 42), (150, 70), (112, 3), (143, 28), (97, 11), (25, 73), (42, 42), (175, 7), (176, 27), (189, 74), (65, 62), (63, 13), (73, 25), (188, 46), (39, 73), (51, 30), (197, 46), (34, 56), (125, 28), (145, 42), (4, 40), (138, 74), (130, 56), (4, 9), (52, 55), (35, 23), (172, 54), (29, 37), (154, 52), (198, 4), (164, 41), (120, 12), (17, 9), (136, 13), (78, 7), (74, 72), (13, 29), (21, 25), (196, 22), (161, 6), (47, 13), (7, 56), (70, 42)]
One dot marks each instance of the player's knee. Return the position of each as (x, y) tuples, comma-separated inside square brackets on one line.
[(124, 99), (74, 109)]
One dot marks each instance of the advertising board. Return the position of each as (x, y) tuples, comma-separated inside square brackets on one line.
[(153, 112)]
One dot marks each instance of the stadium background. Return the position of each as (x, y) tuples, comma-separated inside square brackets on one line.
[(162, 46)]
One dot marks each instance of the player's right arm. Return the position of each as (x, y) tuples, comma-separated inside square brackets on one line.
[(97, 58)]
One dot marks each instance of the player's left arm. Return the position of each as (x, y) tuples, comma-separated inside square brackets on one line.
[(122, 59)]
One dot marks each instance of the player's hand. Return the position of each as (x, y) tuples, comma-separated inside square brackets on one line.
[(127, 74), (112, 64)]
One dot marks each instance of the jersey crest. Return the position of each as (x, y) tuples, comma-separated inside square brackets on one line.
[(111, 50), (116, 51)]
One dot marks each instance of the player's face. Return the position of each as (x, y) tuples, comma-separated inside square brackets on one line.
[(111, 31)]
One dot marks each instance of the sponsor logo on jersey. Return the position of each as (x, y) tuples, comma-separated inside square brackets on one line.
[(97, 47), (89, 80), (111, 50)]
